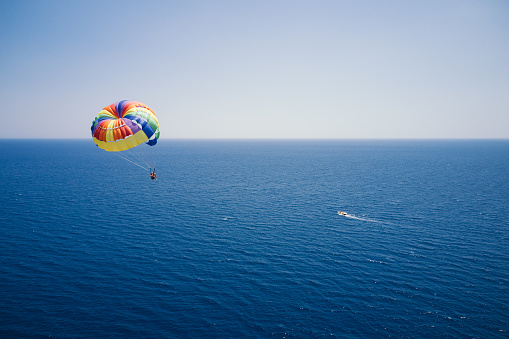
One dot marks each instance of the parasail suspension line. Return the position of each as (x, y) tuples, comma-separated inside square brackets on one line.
[(132, 162)]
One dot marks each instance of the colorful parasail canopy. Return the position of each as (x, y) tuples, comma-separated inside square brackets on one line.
[(123, 125)]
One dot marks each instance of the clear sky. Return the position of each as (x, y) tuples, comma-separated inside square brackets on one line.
[(259, 69)]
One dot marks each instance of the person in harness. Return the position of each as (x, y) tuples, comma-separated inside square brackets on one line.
[(153, 175)]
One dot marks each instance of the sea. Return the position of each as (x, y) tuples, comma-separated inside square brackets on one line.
[(242, 239)]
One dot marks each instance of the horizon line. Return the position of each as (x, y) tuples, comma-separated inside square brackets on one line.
[(283, 138)]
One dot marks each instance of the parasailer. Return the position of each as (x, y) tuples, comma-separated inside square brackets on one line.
[(153, 175), (123, 126)]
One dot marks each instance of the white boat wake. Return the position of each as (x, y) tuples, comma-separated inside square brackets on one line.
[(351, 216)]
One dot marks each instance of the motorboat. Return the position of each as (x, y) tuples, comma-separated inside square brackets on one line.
[(342, 213)]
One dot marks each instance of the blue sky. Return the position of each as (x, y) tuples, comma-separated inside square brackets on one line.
[(259, 69)]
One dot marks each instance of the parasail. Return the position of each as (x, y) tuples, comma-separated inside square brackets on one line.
[(124, 125)]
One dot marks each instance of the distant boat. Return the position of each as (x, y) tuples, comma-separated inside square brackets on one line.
[(342, 213)]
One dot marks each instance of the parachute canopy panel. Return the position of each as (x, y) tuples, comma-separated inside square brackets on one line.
[(124, 125)]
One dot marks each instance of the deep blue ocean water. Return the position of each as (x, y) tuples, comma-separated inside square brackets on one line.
[(242, 239)]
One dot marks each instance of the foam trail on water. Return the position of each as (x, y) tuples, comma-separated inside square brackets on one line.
[(351, 216)]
